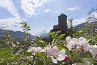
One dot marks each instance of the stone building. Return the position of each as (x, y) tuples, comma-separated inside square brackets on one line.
[(62, 24)]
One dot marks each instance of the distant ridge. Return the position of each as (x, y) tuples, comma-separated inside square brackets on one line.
[(43, 35), (17, 34), (80, 26)]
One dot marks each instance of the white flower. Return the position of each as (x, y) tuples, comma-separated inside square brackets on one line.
[(39, 49), (93, 50), (32, 49), (35, 49), (13, 45), (71, 43), (61, 55), (55, 54), (83, 42), (74, 43), (29, 58), (68, 39)]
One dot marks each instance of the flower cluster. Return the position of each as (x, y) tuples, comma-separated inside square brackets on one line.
[(74, 43), (81, 44), (52, 52)]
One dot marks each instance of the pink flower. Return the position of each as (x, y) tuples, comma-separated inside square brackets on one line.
[(55, 54)]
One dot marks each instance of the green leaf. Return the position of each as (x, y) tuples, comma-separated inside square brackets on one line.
[(40, 59), (77, 56), (39, 62), (61, 36), (87, 58)]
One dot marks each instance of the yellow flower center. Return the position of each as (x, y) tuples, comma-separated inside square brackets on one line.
[(55, 56)]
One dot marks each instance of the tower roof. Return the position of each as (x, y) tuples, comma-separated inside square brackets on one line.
[(62, 14)]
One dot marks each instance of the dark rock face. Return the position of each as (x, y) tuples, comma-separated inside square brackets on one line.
[(62, 24)]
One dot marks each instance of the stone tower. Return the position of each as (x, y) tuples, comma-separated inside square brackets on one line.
[(62, 24)]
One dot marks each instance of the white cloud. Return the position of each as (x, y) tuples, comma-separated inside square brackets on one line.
[(47, 10), (29, 6), (73, 8), (41, 31), (10, 23), (38, 32), (8, 4), (79, 21), (85, 19), (53, 11)]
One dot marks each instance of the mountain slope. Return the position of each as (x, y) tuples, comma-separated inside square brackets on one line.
[(17, 34), (80, 26)]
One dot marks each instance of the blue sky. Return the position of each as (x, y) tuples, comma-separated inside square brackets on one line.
[(41, 15)]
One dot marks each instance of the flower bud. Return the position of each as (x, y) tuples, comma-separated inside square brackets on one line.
[(66, 58)]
